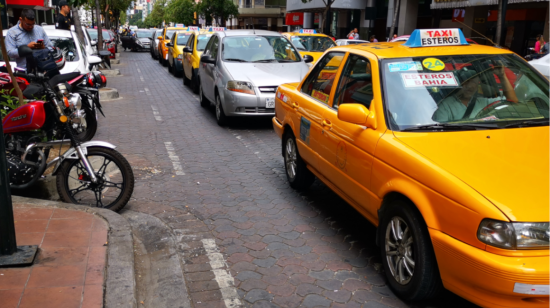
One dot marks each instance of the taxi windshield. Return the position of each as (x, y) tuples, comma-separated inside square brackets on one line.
[(313, 43), (259, 49), (463, 92), (183, 38), (169, 34), (202, 40)]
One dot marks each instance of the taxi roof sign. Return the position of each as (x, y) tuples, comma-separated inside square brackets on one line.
[(179, 25), (308, 31), (214, 29), (436, 37), (190, 28)]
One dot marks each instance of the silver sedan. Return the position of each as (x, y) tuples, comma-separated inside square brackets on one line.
[(240, 71)]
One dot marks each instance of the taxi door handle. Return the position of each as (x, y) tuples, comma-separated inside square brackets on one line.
[(295, 105), (327, 123)]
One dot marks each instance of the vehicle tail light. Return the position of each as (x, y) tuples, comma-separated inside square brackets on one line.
[(103, 79), (91, 82)]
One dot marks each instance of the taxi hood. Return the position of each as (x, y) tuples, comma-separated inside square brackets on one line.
[(509, 167), (267, 74)]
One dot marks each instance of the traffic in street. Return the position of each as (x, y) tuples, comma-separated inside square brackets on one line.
[(364, 175)]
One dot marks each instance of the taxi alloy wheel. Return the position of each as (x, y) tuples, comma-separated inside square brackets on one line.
[(221, 118), (297, 174), (407, 253)]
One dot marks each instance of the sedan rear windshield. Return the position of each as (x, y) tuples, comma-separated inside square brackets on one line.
[(464, 92), (67, 46), (259, 49), (313, 43), (141, 34)]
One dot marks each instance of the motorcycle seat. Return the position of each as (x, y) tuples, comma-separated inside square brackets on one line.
[(61, 78)]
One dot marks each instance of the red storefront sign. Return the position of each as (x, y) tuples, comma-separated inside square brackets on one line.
[(316, 19), (27, 2), (294, 19)]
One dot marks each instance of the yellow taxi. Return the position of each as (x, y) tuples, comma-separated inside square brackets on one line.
[(309, 42), (192, 55), (175, 49), (444, 146), (167, 33)]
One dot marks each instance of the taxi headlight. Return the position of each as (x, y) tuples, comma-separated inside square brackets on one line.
[(240, 86), (514, 235)]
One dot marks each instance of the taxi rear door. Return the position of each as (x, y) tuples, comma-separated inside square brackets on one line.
[(347, 149), (311, 102)]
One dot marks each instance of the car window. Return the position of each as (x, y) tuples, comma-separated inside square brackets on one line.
[(495, 90), (313, 43), (173, 39), (202, 40), (169, 34), (214, 47), (182, 38), (259, 48), (355, 85), (318, 83), (141, 34), (92, 33), (67, 46)]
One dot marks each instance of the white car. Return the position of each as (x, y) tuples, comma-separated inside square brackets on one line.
[(76, 57), (542, 65), (343, 42), (88, 42)]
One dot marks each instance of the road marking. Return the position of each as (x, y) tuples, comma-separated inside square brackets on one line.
[(173, 157), (141, 78), (156, 113), (147, 91), (223, 276), (139, 71)]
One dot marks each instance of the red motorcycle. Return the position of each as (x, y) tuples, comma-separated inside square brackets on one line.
[(91, 173)]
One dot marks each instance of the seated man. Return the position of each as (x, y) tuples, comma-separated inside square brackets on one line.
[(466, 103)]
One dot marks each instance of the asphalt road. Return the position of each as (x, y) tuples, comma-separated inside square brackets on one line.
[(205, 192)]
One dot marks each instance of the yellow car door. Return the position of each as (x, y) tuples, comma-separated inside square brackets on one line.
[(347, 149), (187, 65), (310, 104)]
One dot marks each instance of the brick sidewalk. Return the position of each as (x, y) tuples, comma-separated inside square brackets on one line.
[(69, 268)]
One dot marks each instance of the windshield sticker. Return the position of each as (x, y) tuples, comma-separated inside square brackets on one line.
[(320, 96), (405, 66), (429, 79), (305, 126), (433, 64)]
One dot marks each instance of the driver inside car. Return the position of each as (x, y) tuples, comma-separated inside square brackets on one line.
[(466, 103)]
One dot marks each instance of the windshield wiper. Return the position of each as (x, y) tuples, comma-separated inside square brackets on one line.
[(264, 61), (285, 60), (448, 126), (237, 60), (528, 123)]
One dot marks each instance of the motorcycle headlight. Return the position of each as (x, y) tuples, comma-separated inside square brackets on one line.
[(240, 86), (61, 90), (75, 101), (514, 235)]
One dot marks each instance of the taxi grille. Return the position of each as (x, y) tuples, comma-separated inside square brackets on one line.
[(268, 89)]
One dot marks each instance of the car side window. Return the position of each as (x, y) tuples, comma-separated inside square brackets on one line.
[(214, 47), (173, 39), (318, 83), (191, 41), (355, 84), (208, 46)]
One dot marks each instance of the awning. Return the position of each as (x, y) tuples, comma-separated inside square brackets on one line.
[(453, 4)]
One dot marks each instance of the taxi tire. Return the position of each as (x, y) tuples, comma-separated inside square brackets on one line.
[(221, 118), (186, 80), (303, 178), (194, 82), (205, 103), (426, 281), (176, 72)]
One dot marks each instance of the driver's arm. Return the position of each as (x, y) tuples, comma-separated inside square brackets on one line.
[(506, 86)]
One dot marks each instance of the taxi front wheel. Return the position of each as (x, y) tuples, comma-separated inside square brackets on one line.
[(407, 252), (297, 174)]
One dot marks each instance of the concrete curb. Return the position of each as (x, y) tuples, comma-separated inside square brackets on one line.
[(117, 55), (120, 284), (108, 94), (115, 61), (111, 73)]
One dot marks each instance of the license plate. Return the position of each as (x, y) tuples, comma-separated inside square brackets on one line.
[(270, 102)]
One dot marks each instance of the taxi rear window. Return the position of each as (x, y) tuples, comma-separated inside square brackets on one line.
[(465, 90)]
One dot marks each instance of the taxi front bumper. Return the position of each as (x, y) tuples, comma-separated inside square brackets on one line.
[(488, 279), (240, 104)]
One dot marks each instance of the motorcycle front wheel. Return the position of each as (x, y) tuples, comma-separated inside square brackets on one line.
[(115, 180)]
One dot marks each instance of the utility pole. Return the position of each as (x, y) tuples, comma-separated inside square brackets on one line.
[(500, 37)]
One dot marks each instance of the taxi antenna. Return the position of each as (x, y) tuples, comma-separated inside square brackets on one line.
[(478, 33)]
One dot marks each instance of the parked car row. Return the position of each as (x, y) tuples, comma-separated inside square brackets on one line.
[(441, 143)]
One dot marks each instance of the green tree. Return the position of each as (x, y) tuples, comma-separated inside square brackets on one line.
[(156, 16), (134, 19), (218, 9), (180, 11)]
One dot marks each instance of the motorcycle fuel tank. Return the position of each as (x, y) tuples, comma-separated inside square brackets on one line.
[(28, 117)]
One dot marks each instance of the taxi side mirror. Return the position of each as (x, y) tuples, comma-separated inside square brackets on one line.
[(308, 58), (169, 45), (353, 113), (159, 37), (208, 59), (187, 49)]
